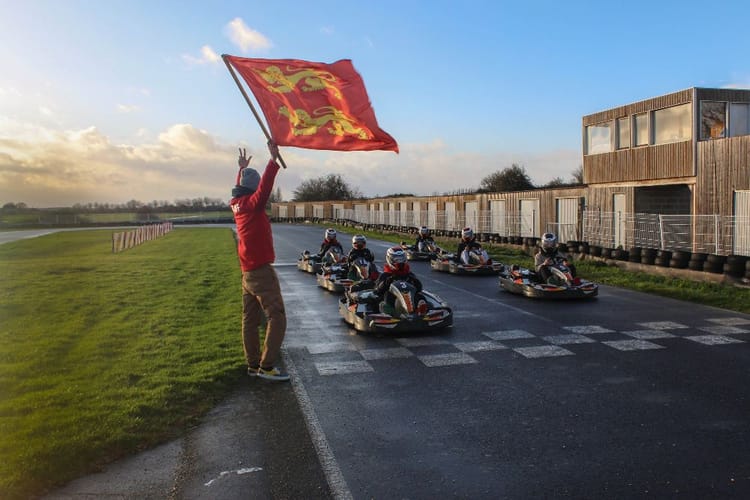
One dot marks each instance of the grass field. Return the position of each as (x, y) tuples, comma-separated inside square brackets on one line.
[(102, 355)]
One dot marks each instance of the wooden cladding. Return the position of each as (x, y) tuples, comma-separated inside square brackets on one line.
[(665, 101), (723, 167), (664, 161)]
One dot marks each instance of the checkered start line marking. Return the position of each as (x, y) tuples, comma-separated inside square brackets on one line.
[(718, 333)]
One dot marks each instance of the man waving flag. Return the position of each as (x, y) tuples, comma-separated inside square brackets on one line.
[(313, 105)]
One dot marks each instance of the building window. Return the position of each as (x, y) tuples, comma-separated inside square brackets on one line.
[(672, 124), (713, 120), (623, 133), (640, 129), (599, 138), (739, 119)]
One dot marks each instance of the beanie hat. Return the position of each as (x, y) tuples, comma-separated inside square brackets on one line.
[(249, 178)]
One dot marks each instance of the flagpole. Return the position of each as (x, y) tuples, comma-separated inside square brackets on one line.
[(249, 103)]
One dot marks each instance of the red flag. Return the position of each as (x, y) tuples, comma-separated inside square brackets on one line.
[(314, 105)]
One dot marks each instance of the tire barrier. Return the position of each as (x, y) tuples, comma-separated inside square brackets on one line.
[(620, 254), (662, 258), (679, 259), (714, 264), (634, 254), (735, 265), (648, 255)]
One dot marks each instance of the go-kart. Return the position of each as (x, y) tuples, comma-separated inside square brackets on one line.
[(413, 311), (475, 261), (425, 251), (309, 262), (560, 285), (334, 270)]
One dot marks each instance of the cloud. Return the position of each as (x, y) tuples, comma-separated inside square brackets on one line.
[(208, 56), (246, 38), (327, 30), (127, 108), (43, 168)]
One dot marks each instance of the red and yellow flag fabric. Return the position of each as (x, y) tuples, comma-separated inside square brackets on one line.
[(314, 105)]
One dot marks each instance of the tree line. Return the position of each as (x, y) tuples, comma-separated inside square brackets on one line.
[(513, 178), (204, 204)]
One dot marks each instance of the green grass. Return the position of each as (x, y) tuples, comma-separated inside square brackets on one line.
[(712, 294), (105, 354)]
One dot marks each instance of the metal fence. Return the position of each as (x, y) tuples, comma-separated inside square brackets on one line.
[(713, 234)]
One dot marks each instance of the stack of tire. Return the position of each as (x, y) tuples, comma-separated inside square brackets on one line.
[(634, 254), (648, 255), (736, 266), (620, 254), (714, 263), (662, 258), (573, 246), (697, 260), (680, 259)]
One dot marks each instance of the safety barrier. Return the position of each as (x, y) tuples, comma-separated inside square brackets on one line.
[(128, 239)]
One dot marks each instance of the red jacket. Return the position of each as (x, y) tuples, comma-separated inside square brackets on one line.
[(255, 247)]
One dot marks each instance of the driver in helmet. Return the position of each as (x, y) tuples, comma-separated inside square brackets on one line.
[(396, 268), (547, 255), (359, 250), (329, 241), (423, 239), (468, 242)]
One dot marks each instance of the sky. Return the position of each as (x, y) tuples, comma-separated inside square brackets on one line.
[(108, 101)]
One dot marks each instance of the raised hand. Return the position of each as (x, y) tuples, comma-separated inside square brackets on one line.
[(243, 160)]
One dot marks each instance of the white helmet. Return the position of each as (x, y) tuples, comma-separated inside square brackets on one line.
[(330, 234), (359, 241), (424, 231), (467, 234), (549, 243), (395, 257)]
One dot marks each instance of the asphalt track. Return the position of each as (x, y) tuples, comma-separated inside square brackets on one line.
[(625, 396)]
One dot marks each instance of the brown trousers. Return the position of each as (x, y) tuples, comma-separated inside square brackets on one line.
[(261, 293)]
